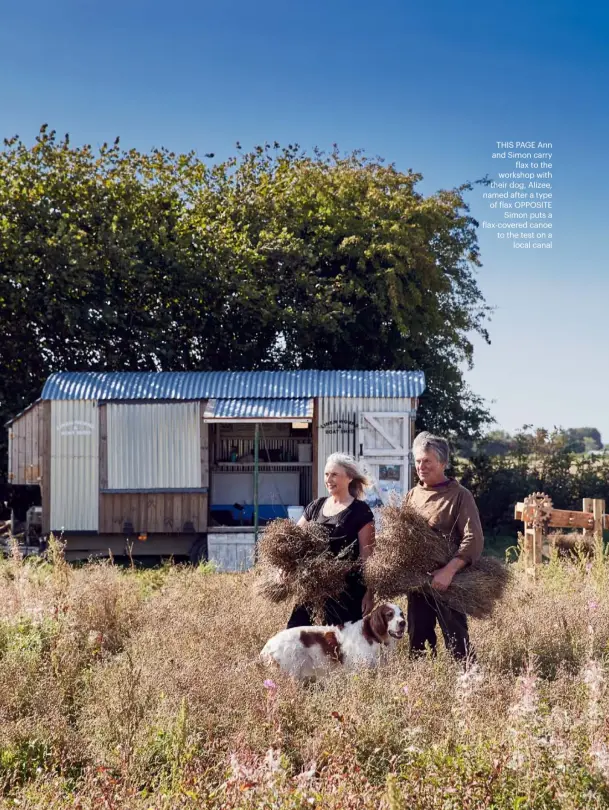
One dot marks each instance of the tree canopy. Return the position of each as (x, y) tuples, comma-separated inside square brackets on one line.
[(117, 259)]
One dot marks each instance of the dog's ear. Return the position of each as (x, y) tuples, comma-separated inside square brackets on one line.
[(379, 622)]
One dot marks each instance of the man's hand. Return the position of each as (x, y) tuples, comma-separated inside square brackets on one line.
[(441, 579), (367, 602)]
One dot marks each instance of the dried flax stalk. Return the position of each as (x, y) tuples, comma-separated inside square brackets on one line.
[(295, 562), (407, 550)]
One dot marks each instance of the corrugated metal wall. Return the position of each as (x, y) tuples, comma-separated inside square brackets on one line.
[(74, 465), (156, 446), (338, 420)]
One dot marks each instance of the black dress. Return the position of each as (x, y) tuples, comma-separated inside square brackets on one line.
[(344, 529)]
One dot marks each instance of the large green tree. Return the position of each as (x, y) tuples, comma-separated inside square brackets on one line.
[(363, 271), (114, 259)]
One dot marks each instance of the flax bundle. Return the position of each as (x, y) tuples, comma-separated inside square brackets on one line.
[(572, 544), (295, 562), (407, 550)]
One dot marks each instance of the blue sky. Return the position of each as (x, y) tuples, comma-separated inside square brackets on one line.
[(430, 88)]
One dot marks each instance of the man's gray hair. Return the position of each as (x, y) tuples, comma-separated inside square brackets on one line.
[(425, 442)]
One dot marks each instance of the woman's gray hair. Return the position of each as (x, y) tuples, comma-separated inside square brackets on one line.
[(427, 441), (360, 480)]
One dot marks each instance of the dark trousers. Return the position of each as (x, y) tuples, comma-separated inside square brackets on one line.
[(423, 612), (344, 608)]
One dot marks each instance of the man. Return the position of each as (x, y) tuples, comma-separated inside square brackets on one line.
[(450, 509)]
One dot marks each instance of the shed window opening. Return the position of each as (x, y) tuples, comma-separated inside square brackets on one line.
[(284, 472)]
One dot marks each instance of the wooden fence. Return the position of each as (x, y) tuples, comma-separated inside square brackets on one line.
[(539, 515)]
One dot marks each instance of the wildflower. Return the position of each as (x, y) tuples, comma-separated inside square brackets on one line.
[(307, 776), (594, 679), (526, 705), (270, 685), (517, 759), (272, 761), (467, 685), (592, 605), (600, 758)]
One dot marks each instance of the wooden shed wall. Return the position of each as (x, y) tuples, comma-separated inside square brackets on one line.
[(153, 512), (27, 437)]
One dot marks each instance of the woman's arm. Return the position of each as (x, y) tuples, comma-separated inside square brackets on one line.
[(365, 538), (310, 512)]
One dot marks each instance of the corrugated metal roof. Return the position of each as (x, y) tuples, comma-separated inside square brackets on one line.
[(259, 409), (193, 385)]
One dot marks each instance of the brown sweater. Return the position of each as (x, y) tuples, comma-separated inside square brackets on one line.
[(451, 509)]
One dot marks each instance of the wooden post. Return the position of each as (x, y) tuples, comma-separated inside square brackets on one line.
[(587, 507), (315, 450), (204, 428), (528, 543), (598, 510), (538, 544), (46, 468), (533, 547), (533, 539), (256, 483)]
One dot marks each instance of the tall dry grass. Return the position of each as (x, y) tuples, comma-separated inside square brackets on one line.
[(142, 690)]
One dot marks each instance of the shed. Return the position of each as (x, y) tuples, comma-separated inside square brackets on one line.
[(194, 462)]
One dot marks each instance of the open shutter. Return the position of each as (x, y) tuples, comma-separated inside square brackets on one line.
[(384, 445), (383, 434)]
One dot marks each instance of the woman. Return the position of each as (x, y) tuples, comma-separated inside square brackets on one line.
[(351, 525), (451, 509)]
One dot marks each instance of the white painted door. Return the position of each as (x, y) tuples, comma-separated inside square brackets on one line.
[(384, 446), (384, 434)]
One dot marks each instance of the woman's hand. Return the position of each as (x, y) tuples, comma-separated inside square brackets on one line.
[(367, 602)]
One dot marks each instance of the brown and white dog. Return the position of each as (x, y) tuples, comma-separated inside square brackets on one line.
[(307, 652)]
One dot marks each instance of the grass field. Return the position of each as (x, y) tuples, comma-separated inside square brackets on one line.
[(126, 689)]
